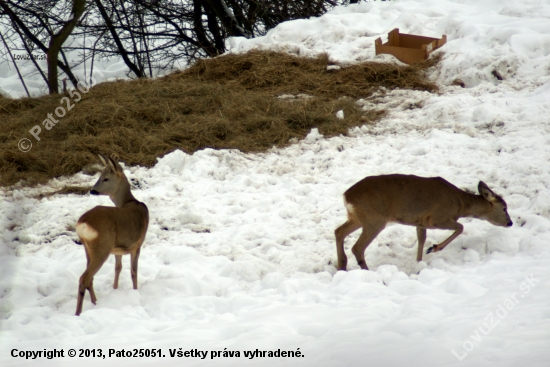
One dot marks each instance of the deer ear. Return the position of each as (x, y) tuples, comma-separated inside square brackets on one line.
[(486, 192), (115, 167), (103, 160)]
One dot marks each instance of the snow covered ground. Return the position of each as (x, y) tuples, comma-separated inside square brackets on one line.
[(240, 251)]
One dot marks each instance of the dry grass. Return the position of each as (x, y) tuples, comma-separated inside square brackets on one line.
[(226, 102)]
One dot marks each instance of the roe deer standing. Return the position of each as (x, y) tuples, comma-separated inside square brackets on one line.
[(107, 230), (424, 202)]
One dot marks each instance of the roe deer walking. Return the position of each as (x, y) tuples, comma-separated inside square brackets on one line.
[(424, 202), (107, 230)]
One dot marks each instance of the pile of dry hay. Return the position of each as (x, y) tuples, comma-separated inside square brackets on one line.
[(226, 102)]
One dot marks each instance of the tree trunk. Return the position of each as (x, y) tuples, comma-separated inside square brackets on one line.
[(203, 41), (227, 18), (57, 41)]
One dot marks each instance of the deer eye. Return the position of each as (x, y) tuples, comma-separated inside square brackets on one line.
[(105, 179)]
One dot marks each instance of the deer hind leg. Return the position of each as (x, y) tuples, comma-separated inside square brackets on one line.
[(453, 225), (91, 286), (370, 231), (87, 278), (91, 291), (421, 234), (134, 256), (341, 233)]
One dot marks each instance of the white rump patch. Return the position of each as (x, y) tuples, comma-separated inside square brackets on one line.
[(85, 231), (349, 207)]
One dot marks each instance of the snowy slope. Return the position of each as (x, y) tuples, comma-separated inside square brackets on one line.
[(240, 251)]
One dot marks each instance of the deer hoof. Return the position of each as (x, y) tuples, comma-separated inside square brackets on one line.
[(431, 249)]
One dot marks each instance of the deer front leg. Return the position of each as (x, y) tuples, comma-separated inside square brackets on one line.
[(421, 234), (134, 256), (458, 230), (118, 268)]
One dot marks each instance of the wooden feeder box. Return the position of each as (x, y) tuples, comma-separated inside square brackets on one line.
[(408, 48)]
